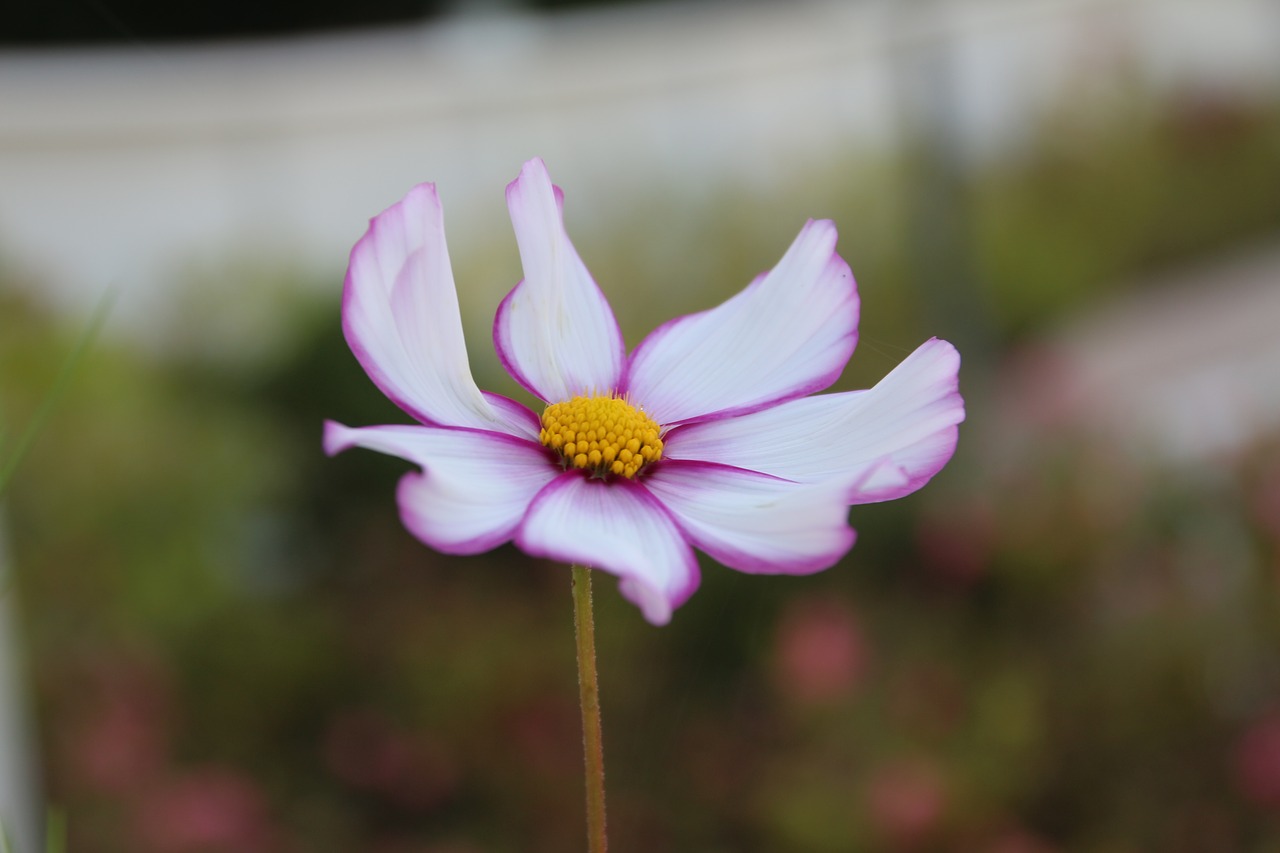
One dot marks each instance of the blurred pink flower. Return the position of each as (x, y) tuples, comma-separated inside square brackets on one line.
[(1257, 762), (211, 809), (703, 436), (1265, 501), (123, 741), (906, 799), (820, 654)]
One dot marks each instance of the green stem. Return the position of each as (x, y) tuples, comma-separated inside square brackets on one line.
[(589, 696)]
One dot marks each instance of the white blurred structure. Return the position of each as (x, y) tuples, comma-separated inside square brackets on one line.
[(120, 166), (1188, 379), (20, 806)]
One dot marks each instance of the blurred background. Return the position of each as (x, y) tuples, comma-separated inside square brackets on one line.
[(213, 638)]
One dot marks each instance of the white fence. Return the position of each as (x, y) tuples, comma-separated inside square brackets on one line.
[(118, 166)]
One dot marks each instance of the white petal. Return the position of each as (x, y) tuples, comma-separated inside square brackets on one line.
[(617, 527), (789, 333), (400, 317), (753, 522), (474, 487), (514, 418), (555, 332), (888, 440)]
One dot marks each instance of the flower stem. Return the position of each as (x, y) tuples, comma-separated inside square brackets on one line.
[(589, 696)]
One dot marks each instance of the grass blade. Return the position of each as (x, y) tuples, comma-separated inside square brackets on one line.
[(55, 831), (57, 390)]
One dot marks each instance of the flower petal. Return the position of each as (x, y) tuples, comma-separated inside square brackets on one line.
[(789, 333), (889, 440), (474, 488), (753, 522), (554, 332), (617, 527), (400, 317), (514, 418)]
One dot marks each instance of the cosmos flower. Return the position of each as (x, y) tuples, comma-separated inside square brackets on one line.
[(705, 436)]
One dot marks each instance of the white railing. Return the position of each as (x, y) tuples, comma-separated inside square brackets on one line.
[(120, 165)]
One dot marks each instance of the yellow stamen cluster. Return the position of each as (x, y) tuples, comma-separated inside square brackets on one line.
[(605, 434)]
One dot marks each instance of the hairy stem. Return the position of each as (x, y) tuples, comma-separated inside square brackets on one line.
[(589, 696)]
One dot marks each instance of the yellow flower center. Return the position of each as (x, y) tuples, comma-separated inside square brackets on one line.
[(605, 434)]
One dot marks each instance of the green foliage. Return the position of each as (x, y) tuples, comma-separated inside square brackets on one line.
[(1094, 206), (11, 456)]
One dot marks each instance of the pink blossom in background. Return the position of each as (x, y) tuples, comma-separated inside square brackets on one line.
[(906, 800), (820, 654), (705, 436), (1257, 762), (123, 741), (205, 810), (1265, 502)]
